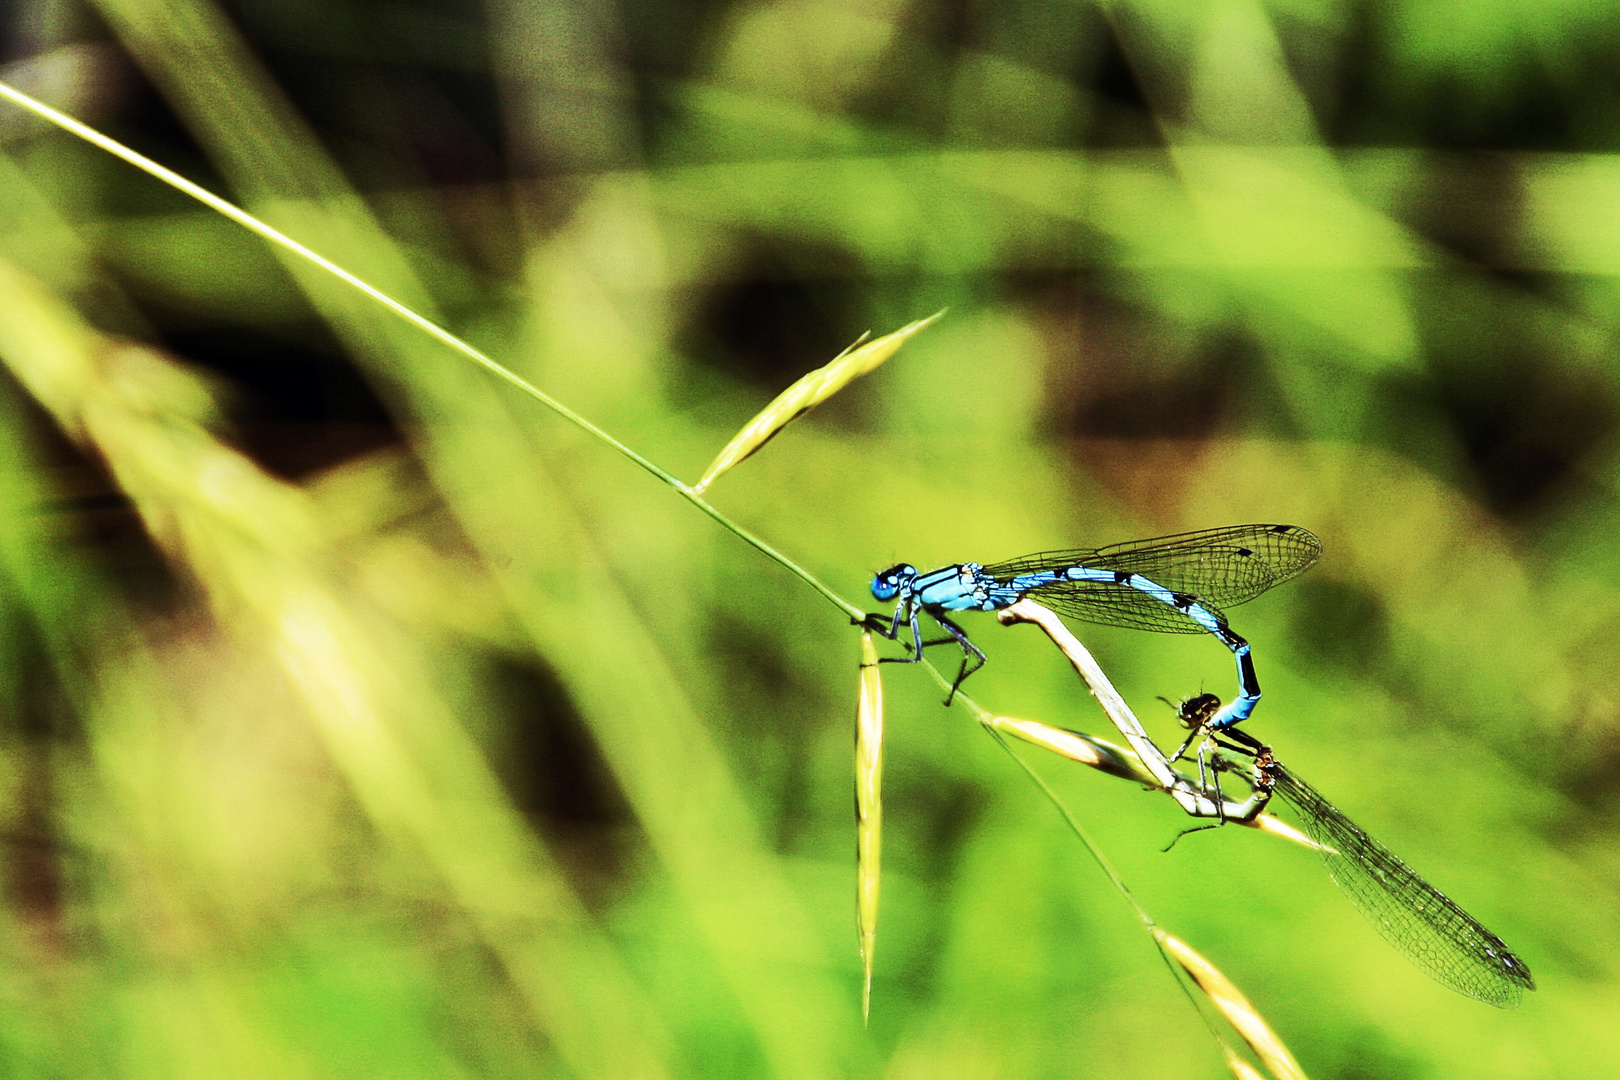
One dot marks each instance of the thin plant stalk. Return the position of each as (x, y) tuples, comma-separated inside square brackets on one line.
[(1218, 989), (421, 322)]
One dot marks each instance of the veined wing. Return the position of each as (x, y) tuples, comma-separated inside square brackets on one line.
[(1412, 915), (1217, 567)]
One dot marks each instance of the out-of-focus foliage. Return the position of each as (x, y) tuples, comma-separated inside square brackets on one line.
[(358, 718)]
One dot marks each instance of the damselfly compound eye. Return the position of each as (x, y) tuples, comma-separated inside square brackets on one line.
[(887, 584), (1196, 711)]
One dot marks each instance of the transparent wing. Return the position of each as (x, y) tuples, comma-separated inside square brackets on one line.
[(1218, 567), (1412, 915)]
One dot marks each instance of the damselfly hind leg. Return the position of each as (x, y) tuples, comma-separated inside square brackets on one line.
[(1208, 780), (1210, 767), (1191, 829), (969, 651)]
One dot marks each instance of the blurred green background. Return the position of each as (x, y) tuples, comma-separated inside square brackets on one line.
[(359, 718)]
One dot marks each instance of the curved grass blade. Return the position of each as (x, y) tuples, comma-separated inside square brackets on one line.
[(1227, 998), (868, 809), (1439, 937), (1241, 1068), (1077, 746), (806, 394)]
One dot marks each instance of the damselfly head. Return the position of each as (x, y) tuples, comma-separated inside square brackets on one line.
[(1194, 712), (886, 584)]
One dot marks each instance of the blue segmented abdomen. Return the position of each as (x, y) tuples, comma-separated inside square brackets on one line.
[(1023, 583), (1195, 611)]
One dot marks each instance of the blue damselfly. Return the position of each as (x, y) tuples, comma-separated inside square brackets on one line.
[(1171, 584)]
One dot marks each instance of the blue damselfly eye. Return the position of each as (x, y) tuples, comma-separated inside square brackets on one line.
[(886, 584)]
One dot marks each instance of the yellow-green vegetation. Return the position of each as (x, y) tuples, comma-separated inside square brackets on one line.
[(361, 716)]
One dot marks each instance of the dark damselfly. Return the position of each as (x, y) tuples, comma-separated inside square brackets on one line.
[(1436, 935)]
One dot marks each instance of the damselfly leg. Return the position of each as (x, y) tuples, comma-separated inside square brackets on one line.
[(971, 653)]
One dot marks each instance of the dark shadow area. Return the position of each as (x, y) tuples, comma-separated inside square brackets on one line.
[(776, 722), (297, 405), (1339, 624), (784, 310), (89, 514), (1526, 428), (556, 774)]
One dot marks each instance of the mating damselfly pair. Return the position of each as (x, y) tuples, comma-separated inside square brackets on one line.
[(1180, 584)]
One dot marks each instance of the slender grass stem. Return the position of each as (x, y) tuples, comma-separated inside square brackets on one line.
[(1079, 830), (1177, 974), (421, 322), (983, 716)]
